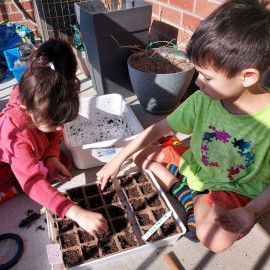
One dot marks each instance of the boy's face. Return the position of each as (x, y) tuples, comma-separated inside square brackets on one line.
[(217, 86)]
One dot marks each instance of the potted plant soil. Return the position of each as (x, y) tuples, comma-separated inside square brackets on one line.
[(160, 76), (103, 21)]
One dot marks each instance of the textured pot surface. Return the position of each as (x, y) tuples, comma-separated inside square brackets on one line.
[(160, 93), (99, 28)]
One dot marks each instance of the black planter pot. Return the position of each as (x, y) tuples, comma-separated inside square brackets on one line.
[(107, 60)]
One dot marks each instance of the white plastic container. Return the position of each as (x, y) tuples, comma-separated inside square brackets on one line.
[(104, 126), (143, 246)]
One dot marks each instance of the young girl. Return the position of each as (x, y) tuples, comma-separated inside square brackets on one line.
[(31, 128), (226, 171)]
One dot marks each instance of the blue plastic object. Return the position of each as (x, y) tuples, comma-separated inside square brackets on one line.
[(11, 56), (8, 37)]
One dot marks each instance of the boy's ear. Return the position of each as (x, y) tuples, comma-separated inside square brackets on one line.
[(250, 76)]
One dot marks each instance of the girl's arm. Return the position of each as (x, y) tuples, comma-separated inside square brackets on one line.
[(53, 150), (147, 137), (242, 219), (92, 222)]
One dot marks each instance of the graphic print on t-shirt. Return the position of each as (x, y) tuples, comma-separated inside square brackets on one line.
[(214, 153)]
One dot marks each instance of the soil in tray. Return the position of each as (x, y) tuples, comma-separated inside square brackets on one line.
[(147, 189), (144, 219), (76, 194), (120, 225), (65, 225), (138, 204), (109, 187), (91, 190), (72, 257), (111, 197), (132, 193), (153, 200), (90, 252), (95, 202), (126, 181), (108, 246), (116, 211), (168, 228), (68, 240), (140, 178), (85, 237), (159, 213), (127, 241)]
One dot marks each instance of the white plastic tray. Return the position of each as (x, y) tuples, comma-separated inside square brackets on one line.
[(143, 245), (104, 126)]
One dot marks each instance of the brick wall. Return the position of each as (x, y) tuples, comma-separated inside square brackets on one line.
[(9, 11), (171, 19), (177, 19)]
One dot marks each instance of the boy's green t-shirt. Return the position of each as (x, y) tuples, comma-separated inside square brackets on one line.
[(228, 152)]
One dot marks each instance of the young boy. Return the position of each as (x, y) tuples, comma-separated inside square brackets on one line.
[(226, 170)]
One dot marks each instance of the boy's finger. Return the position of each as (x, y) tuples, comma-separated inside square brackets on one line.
[(104, 183)]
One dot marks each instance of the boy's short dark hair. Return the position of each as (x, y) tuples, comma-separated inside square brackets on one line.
[(50, 80), (234, 37)]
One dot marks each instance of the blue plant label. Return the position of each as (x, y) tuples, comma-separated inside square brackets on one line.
[(156, 226)]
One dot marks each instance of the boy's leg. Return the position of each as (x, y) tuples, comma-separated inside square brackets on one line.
[(151, 158), (210, 234)]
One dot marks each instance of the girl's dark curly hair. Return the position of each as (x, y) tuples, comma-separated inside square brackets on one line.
[(49, 87)]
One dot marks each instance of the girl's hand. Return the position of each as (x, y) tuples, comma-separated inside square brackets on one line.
[(239, 220), (92, 222), (57, 170), (109, 171)]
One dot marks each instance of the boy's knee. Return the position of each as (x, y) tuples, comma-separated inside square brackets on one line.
[(214, 241)]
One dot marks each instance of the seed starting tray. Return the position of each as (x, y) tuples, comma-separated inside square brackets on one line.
[(131, 205)]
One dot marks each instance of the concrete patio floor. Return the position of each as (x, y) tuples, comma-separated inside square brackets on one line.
[(250, 253)]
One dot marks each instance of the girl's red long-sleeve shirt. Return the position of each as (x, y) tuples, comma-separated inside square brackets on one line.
[(22, 146)]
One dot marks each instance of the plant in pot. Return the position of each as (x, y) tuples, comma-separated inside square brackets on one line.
[(160, 76)]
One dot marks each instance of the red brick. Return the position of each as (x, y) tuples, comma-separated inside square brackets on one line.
[(183, 4), (170, 15), (155, 8), (4, 8), (158, 25), (205, 7), (182, 47), (22, 5), (30, 13), (183, 37), (5, 1), (13, 17), (26, 23), (190, 22)]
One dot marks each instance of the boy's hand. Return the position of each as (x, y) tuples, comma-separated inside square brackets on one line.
[(57, 170), (109, 171), (238, 220), (92, 222)]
